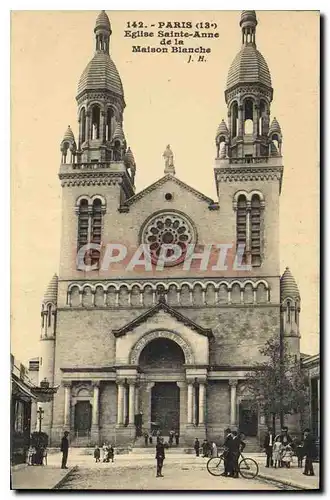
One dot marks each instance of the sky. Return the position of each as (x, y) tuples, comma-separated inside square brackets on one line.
[(168, 102)]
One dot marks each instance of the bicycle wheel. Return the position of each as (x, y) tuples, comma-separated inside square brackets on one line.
[(216, 466), (248, 468)]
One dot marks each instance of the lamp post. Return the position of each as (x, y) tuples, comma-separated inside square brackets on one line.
[(40, 414)]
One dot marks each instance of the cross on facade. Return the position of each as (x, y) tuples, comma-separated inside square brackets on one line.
[(40, 413)]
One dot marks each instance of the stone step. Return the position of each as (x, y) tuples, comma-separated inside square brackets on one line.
[(151, 450)]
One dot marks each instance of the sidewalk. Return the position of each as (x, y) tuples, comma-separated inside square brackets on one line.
[(45, 477), (293, 477)]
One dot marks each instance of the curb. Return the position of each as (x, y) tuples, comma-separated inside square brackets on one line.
[(64, 478), (284, 482)]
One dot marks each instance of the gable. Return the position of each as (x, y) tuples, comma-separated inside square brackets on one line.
[(162, 306), (161, 184)]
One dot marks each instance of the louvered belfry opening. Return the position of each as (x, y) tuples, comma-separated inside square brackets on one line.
[(96, 230), (255, 231), (241, 224), (83, 224)]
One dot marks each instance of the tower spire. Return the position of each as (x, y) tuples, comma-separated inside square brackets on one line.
[(248, 24), (102, 32)]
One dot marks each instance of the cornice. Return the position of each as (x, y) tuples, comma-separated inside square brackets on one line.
[(244, 173), (90, 179)]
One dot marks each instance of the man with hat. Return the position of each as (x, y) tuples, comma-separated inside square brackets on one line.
[(65, 449)]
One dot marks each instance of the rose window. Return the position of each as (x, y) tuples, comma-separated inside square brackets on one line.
[(168, 229)]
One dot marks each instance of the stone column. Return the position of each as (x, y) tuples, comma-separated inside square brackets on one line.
[(190, 388), (201, 409), (233, 386), (67, 404), (95, 413), (96, 396), (148, 401), (125, 405), (137, 402), (240, 121), (131, 403), (120, 403)]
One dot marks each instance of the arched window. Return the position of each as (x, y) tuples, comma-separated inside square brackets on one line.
[(95, 128), (262, 119), (65, 148), (241, 223), (83, 224), (248, 116), (234, 118), (222, 148), (296, 313), (83, 125), (288, 312), (96, 228), (109, 124), (255, 231), (49, 314), (275, 145), (43, 316)]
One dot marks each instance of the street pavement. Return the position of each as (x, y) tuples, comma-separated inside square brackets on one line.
[(137, 471)]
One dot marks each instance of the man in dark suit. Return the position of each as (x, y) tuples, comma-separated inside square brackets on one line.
[(268, 445), (160, 456), (236, 446), (308, 451), (226, 453), (65, 449)]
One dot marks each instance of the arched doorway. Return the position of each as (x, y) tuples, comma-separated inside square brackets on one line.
[(163, 356)]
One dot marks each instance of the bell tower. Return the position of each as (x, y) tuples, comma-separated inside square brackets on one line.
[(248, 165), (98, 169)]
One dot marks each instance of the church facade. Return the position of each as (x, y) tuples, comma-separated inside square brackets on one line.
[(167, 344)]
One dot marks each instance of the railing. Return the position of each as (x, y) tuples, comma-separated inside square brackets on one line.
[(253, 159)]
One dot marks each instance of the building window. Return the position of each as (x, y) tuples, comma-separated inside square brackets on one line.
[(90, 227), (49, 314), (288, 312), (241, 218), (96, 229), (95, 128), (83, 218), (255, 228)]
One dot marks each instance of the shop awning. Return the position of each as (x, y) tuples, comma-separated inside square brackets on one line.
[(20, 389)]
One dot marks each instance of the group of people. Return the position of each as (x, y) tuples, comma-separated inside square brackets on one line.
[(108, 453), (233, 445), (209, 449), (281, 448), (173, 436)]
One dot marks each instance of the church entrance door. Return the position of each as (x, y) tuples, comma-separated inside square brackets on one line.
[(83, 418), (248, 420), (165, 406)]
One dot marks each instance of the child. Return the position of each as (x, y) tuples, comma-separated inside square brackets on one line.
[(287, 455), (105, 453), (111, 453), (31, 453), (277, 452), (97, 454)]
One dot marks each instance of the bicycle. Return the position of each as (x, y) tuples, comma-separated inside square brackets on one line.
[(247, 467)]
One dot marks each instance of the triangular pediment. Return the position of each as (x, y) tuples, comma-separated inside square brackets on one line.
[(168, 179), (162, 306)]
